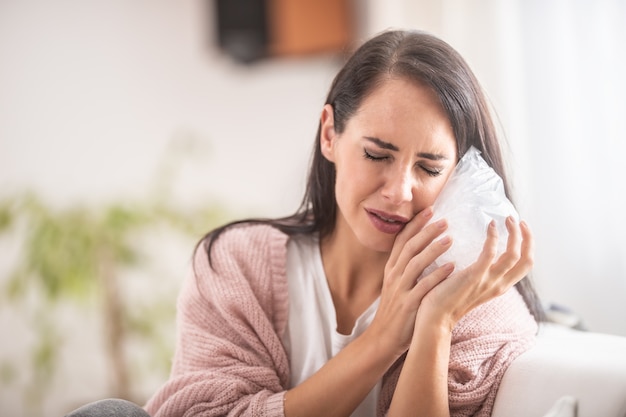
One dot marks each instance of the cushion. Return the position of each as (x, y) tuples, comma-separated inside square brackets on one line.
[(585, 366)]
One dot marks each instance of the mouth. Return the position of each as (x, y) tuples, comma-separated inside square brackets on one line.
[(385, 222), (389, 218)]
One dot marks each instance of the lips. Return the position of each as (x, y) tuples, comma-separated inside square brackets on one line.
[(385, 222)]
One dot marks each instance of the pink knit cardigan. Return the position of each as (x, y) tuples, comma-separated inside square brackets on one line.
[(229, 356)]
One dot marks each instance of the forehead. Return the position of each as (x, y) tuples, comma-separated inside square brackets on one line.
[(401, 96), (402, 110)]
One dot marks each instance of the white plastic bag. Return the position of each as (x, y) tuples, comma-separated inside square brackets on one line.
[(472, 197)]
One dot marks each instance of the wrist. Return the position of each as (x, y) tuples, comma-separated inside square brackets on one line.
[(431, 326), (382, 345), (436, 316)]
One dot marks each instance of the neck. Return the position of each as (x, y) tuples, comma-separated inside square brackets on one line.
[(354, 274)]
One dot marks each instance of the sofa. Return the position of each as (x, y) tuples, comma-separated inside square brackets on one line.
[(567, 373)]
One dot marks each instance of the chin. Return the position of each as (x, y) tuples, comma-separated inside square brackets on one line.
[(381, 244)]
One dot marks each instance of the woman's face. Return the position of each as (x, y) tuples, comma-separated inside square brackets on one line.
[(392, 160)]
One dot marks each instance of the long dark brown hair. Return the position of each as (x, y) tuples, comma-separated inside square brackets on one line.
[(412, 55)]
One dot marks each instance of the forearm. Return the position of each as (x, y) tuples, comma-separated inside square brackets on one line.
[(343, 382), (422, 389)]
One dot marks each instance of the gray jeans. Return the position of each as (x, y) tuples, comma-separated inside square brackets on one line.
[(111, 407)]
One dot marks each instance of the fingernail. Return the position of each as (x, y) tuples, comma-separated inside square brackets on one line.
[(449, 267), (427, 212), (445, 240), (441, 224)]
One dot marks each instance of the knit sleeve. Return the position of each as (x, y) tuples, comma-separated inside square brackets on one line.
[(484, 343), (229, 359)]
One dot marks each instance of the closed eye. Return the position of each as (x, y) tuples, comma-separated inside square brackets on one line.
[(433, 172), (374, 157), (430, 171)]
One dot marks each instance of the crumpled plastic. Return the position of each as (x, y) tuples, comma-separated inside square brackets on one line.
[(472, 197)]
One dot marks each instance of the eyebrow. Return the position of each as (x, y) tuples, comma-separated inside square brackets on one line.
[(390, 146), (382, 144)]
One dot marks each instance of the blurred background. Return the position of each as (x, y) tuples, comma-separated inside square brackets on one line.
[(129, 129)]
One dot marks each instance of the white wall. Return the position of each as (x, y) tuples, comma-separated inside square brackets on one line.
[(93, 92)]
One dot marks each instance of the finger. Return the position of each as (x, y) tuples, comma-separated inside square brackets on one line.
[(511, 256), (490, 248), (528, 243), (430, 281), (526, 261), (410, 230), (418, 263), (420, 241)]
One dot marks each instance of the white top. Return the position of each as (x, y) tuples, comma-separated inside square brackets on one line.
[(311, 337)]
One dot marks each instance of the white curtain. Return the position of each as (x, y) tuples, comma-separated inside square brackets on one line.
[(574, 64)]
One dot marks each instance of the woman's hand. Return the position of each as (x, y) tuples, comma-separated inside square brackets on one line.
[(414, 249), (422, 386), (485, 279)]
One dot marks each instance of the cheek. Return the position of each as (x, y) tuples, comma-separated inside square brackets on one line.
[(428, 193), (353, 182), (439, 187), (356, 182)]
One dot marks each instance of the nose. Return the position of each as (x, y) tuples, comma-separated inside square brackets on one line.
[(398, 187)]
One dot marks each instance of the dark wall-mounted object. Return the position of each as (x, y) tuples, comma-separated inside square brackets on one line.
[(249, 30), (242, 28)]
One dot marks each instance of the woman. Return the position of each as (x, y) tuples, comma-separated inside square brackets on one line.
[(321, 313)]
